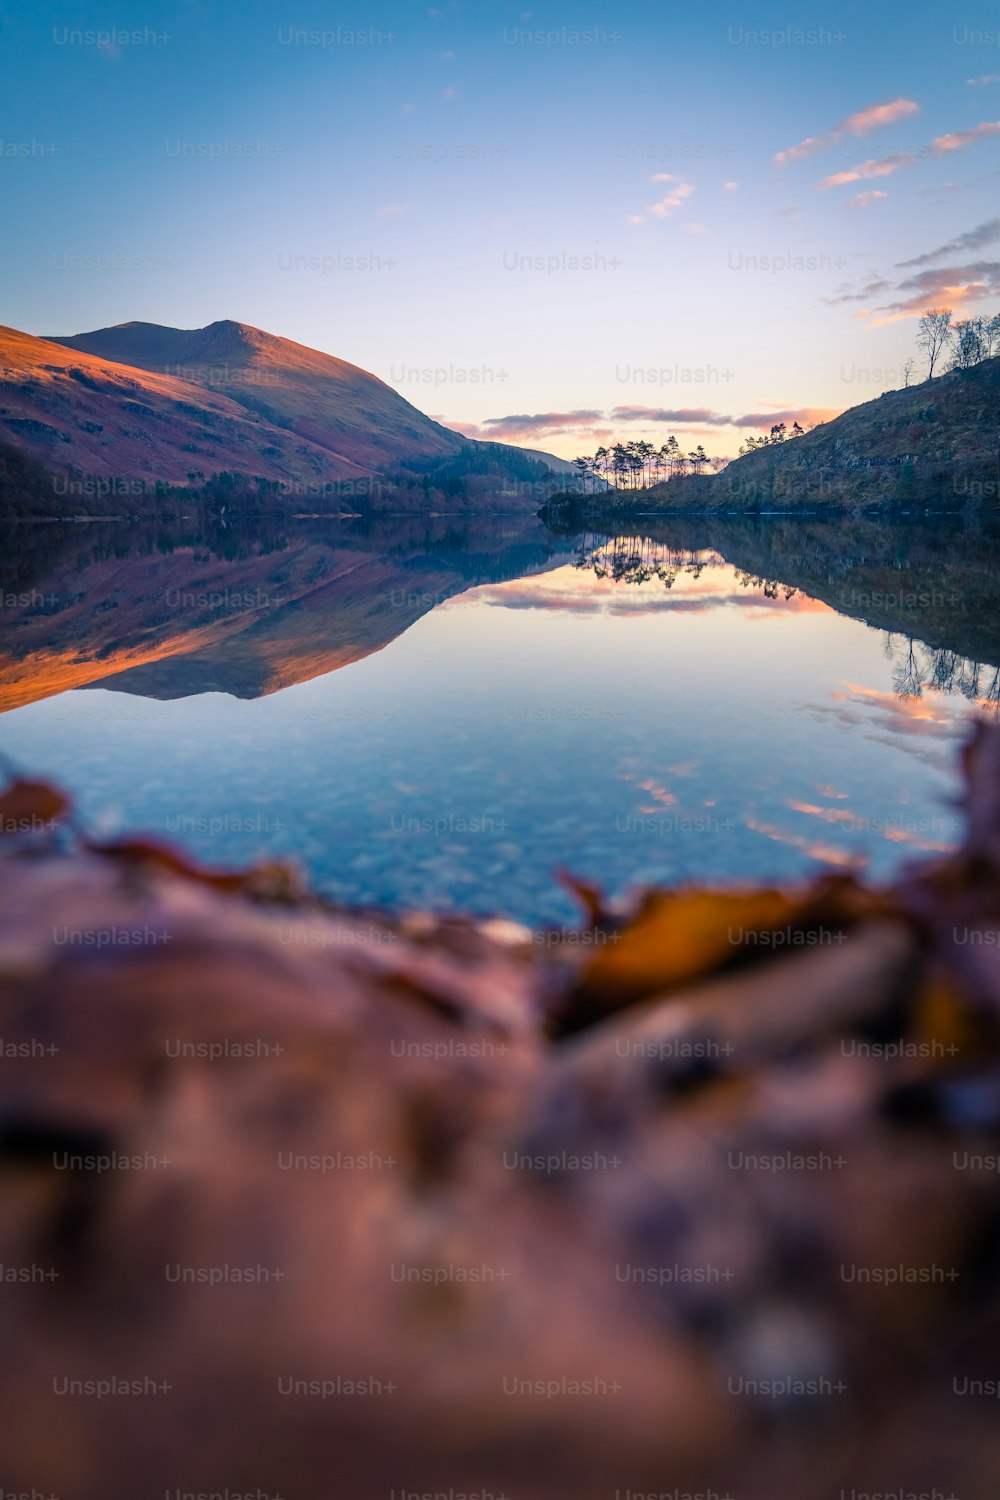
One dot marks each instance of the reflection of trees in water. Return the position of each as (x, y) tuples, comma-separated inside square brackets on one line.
[(769, 587), (637, 559), (918, 666)]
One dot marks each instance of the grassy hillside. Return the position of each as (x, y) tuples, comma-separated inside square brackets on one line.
[(936, 444)]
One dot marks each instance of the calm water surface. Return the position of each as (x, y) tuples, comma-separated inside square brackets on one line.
[(512, 707)]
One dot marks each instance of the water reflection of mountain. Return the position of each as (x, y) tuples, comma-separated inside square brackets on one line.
[(249, 607), (240, 609)]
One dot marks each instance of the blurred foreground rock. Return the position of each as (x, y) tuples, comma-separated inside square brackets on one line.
[(304, 1203)]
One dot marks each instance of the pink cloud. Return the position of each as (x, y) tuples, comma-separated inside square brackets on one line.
[(869, 169), (858, 124), (673, 199), (940, 146), (806, 416), (944, 286), (687, 417), (585, 428), (959, 138), (879, 114)]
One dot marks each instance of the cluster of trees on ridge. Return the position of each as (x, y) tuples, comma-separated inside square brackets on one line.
[(970, 340), (638, 465), (779, 432)]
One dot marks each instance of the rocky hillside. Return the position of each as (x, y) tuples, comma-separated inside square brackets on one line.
[(936, 444)]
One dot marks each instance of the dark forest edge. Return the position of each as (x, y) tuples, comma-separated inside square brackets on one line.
[(479, 477)]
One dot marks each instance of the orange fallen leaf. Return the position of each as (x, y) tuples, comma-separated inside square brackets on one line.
[(31, 807)]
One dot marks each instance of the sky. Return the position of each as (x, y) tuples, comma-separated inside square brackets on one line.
[(553, 226)]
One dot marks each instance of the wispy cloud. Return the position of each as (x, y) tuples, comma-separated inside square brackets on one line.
[(674, 198), (981, 82), (959, 138), (975, 239), (806, 416), (698, 416), (537, 424), (703, 416), (858, 124), (865, 200), (887, 301), (941, 145), (863, 294), (602, 427), (868, 169), (945, 286)]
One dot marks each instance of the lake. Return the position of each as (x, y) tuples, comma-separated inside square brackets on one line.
[(443, 712)]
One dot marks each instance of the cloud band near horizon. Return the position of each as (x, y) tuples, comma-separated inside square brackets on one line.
[(539, 425)]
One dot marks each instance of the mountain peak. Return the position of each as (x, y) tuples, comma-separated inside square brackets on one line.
[(154, 346), (230, 329)]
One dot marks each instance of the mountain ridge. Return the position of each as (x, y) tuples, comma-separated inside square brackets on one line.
[(117, 339), (156, 406)]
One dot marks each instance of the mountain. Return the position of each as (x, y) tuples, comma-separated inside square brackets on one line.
[(151, 406), (324, 400), (74, 410)]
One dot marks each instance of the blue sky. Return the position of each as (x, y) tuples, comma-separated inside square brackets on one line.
[(545, 225)]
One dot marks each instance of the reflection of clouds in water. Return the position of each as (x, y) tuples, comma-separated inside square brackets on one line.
[(659, 794), (909, 724), (684, 768), (826, 853), (934, 714), (489, 596), (931, 832), (828, 814), (643, 577), (636, 599), (940, 756)]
